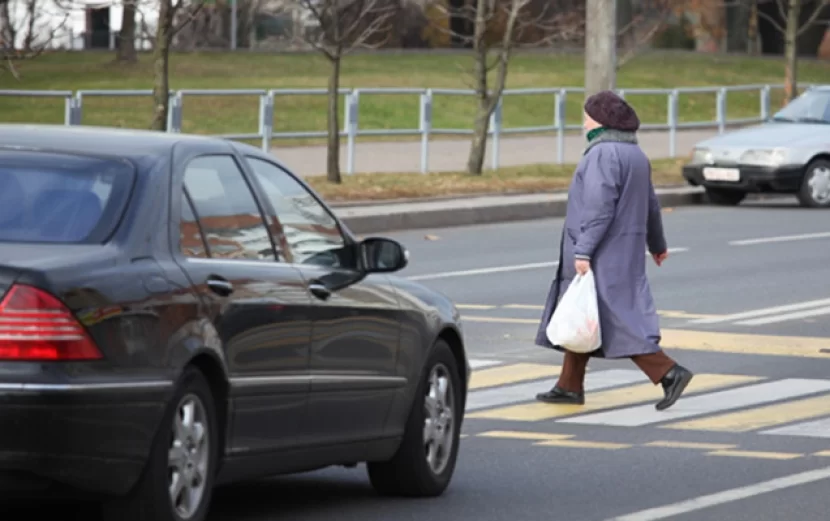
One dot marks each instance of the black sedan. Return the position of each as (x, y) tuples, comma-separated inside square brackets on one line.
[(180, 312)]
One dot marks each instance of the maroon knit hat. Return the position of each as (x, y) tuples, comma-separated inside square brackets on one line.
[(611, 111)]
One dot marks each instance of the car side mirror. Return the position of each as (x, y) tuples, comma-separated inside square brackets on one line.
[(379, 255)]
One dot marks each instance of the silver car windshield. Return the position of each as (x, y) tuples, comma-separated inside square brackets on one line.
[(812, 106)]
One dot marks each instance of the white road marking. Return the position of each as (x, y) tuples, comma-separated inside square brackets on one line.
[(481, 364), (762, 312), (526, 392), (745, 396), (726, 496), (672, 250), (501, 269), (781, 238), (485, 271), (810, 429), (788, 316)]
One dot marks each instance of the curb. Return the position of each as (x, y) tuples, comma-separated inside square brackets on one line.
[(479, 210)]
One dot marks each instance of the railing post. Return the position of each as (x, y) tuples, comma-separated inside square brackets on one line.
[(721, 110), (765, 102), (174, 113), (68, 109), (559, 121), (266, 119), (77, 108), (495, 125), (351, 117), (425, 127), (673, 120)]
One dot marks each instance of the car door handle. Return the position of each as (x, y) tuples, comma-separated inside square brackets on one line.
[(219, 285), (319, 290)]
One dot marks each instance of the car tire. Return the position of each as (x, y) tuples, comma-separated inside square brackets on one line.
[(725, 196), (150, 499), (409, 473), (816, 171)]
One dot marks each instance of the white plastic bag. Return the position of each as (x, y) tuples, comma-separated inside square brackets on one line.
[(575, 322)]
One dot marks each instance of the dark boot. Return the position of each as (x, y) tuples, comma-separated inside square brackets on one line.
[(559, 395), (674, 383)]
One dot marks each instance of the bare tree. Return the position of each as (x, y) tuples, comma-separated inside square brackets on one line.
[(28, 28), (168, 24), (794, 27), (499, 28), (335, 28)]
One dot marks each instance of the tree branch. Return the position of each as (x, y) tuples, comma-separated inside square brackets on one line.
[(819, 9)]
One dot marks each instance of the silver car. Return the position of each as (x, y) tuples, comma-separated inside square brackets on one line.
[(788, 154)]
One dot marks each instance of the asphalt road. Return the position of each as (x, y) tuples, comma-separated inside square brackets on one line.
[(750, 318)]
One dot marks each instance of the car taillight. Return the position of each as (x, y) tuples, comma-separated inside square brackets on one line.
[(35, 326)]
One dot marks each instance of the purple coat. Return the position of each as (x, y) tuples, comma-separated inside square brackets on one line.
[(613, 216)]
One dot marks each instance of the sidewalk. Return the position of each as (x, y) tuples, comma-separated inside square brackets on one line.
[(451, 154)]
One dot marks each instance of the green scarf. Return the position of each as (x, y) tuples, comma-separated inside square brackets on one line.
[(592, 134)]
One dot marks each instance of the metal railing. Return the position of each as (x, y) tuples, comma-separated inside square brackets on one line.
[(265, 133)]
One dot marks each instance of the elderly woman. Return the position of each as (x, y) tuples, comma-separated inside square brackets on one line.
[(612, 217)]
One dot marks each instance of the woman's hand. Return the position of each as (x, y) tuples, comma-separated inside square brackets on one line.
[(659, 258), (582, 266)]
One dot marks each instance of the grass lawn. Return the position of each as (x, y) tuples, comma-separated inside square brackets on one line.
[(238, 114), (523, 179)]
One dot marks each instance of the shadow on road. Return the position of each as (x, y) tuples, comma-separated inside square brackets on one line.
[(323, 496), (300, 496)]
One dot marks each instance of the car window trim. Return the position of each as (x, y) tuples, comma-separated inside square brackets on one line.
[(251, 190)]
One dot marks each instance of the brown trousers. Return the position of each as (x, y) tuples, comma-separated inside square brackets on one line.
[(655, 366)]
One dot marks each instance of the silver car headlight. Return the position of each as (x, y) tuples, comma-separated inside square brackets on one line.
[(764, 157), (702, 156)]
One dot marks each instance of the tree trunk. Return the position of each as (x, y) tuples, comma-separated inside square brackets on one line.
[(478, 145), (791, 51), (627, 37), (126, 37), (600, 45), (737, 27), (161, 66), (333, 152)]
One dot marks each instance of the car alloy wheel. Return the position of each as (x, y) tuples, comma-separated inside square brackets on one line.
[(188, 457), (815, 186), (177, 481), (818, 182), (439, 419), (426, 457)]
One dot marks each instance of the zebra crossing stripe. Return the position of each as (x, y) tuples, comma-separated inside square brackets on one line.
[(481, 364), (609, 399), (708, 403), (759, 417), (508, 374), (526, 392), (812, 429)]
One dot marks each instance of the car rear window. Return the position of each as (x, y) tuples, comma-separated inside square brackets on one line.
[(60, 198)]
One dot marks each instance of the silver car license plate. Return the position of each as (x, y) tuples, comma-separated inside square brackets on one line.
[(721, 174)]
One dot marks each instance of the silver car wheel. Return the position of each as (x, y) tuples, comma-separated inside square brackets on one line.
[(188, 456), (819, 183), (439, 422)]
